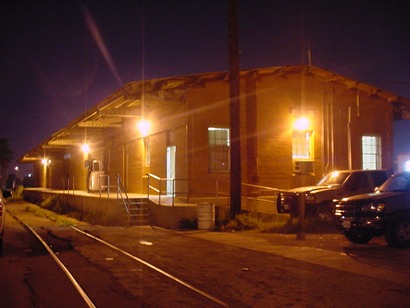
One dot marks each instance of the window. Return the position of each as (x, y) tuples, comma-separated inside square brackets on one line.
[(379, 177), (302, 145), (358, 181), (371, 152), (218, 144)]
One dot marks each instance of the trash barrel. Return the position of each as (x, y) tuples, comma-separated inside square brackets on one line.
[(206, 216)]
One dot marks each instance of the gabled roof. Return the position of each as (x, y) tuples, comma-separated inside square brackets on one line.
[(127, 101)]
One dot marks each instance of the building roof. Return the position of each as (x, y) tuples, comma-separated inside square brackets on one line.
[(129, 101)]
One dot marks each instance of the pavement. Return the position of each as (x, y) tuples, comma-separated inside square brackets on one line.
[(329, 250)]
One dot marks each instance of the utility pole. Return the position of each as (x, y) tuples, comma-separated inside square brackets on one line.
[(234, 111)]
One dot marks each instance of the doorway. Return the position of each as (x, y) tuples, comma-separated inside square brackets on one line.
[(171, 151)]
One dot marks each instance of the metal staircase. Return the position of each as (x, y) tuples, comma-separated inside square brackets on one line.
[(137, 211)]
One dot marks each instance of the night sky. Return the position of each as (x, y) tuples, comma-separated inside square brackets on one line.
[(58, 58)]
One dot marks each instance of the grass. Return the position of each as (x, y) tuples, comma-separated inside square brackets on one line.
[(58, 219), (280, 223), (52, 208)]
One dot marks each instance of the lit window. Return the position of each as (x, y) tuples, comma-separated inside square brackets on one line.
[(371, 152), (218, 144), (302, 144)]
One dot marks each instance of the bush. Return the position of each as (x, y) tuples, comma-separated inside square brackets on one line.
[(189, 224), (280, 223), (18, 192), (54, 204)]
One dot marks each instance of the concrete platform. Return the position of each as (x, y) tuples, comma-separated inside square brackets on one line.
[(108, 209)]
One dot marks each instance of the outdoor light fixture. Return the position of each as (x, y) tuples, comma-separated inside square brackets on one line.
[(86, 148), (407, 166), (301, 123), (143, 126), (46, 161)]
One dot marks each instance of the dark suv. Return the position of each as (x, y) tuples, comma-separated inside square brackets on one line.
[(319, 199), (384, 212)]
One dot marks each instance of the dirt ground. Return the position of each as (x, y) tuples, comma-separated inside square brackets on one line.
[(246, 268)]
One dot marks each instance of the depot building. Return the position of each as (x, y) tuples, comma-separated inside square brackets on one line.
[(297, 123)]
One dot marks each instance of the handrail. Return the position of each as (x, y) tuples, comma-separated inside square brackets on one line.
[(159, 189), (218, 188), (68, 185), (120, 191), (107, 184)]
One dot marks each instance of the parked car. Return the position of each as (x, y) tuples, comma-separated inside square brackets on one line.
[(3, 195), (384, 212), (320, 199)]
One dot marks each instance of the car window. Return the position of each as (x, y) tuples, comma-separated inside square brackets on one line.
[(334, 178), (358, 180), (379, 178), (396, 183)]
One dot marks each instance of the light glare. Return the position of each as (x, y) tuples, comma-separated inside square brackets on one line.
[(86, 148), (301, 123), (143, 126), (407, 166)]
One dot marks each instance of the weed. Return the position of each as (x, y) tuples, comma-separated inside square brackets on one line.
[(17, 193), (185, 223), (280, 223)]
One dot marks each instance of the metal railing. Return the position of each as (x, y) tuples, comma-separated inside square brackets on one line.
[(104, 184), (166, 187), (67, 185), (121, 192)]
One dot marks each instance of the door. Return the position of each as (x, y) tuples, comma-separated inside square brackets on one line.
[(171, 150)]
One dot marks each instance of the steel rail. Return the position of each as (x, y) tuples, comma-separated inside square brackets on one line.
[(74, 282), (185, 284)]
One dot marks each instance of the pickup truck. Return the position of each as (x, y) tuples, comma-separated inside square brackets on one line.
[(383, 212), (320, 199)]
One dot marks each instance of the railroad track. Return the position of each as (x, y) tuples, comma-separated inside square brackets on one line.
[(140, 278)]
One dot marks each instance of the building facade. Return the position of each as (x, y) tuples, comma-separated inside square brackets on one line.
[(297, 123)]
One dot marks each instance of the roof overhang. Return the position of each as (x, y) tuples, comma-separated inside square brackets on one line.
[(132, 99)]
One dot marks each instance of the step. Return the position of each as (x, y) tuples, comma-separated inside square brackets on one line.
[(140, 220), (138, 213)]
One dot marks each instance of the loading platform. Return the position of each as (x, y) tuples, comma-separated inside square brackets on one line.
[(110, 209)]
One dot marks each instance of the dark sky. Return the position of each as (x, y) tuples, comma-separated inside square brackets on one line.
[(60, 57)]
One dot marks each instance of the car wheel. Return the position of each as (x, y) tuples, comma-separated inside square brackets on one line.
[(398, 233), (358, 237)]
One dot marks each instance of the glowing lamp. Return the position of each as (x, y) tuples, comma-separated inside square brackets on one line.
[(46, 161), (301, 123), (86, 148), (143, 126)]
